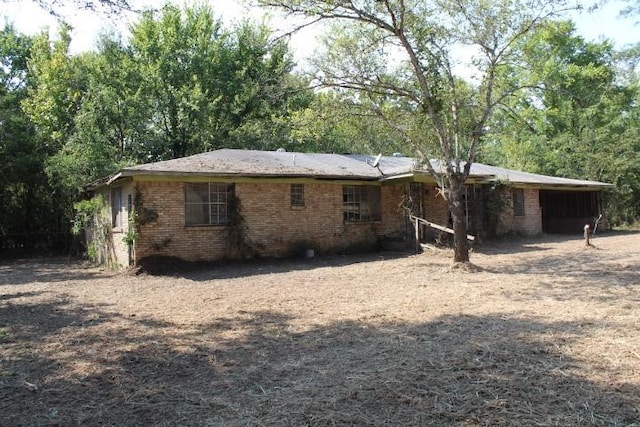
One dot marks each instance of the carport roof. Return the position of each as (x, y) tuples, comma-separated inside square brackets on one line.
[(531, 179)]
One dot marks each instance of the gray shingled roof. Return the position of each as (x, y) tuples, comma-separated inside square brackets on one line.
[(517, 177), (253, 163)]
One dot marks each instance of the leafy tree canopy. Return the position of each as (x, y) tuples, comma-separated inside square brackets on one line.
[(182, 84), (577, 117), (403, 57)]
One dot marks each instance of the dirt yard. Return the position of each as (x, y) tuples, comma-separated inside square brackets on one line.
[(546, 334)]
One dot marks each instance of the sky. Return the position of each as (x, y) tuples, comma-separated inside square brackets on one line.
[(29, 18)]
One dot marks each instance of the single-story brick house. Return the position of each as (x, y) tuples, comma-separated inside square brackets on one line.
[(229, 204)]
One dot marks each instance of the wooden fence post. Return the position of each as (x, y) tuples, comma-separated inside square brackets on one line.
[(586, 236)]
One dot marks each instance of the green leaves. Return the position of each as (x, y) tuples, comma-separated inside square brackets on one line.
[(577, 118), (204, 84), (181, 85)]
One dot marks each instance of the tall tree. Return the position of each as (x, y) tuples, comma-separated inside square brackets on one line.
[(409, 52), (577, 117), (340, 124), (18, 157), (56, 95), (108, 126), (209, 87), (181, 85), (105, 7), (29, 208)]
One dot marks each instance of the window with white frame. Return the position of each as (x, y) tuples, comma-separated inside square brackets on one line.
[(361, 203), (207, 203), (297, 195)]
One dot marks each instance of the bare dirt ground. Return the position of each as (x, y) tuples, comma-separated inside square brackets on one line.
[(547, 333)]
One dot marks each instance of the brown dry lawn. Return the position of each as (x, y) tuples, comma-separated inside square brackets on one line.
[(547, 333)]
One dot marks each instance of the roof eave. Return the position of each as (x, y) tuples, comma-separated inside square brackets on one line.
[(399, 177), (579, 187), (561, 186), (133, 173)]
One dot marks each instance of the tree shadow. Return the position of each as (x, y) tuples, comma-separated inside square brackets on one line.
[(262, 368), (514, 244), (16, 295), (46, 270), (33, 320), (231, 269)]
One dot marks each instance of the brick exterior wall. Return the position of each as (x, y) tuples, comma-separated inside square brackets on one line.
[(436, 208), (270, 226), (528, 225)]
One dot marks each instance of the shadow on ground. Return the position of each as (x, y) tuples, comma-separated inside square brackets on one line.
[(67, 365), (513, 244), (31, 270), (226, 269)]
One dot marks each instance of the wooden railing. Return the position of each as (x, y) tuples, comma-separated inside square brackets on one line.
[(417, 221)]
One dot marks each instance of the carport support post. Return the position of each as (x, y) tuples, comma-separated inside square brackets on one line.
[(417, 230)]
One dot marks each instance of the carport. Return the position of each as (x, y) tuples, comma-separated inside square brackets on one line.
[(568, 211)]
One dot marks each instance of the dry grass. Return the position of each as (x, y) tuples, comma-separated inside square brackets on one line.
[(544, 333)]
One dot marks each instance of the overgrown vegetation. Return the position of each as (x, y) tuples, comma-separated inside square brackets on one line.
[(237, 240), (92, 223), (493, 205), (139, 216)]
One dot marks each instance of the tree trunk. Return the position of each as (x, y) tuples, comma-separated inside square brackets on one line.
[(456, 206)]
